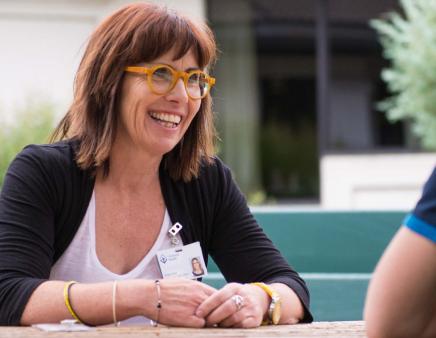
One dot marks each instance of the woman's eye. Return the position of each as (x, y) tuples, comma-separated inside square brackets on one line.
[(194, 78), (162, 75)]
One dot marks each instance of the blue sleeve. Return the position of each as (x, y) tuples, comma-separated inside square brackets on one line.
[(422, 220), (421, 227)]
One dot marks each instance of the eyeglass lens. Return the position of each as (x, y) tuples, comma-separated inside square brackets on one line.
[(162, 79)]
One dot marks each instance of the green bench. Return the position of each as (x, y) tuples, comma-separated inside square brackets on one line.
[(335, 252)]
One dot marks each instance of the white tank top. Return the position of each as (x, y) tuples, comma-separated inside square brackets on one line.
[(80, 263)]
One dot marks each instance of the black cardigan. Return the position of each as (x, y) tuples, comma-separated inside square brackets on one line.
[(45, 196)]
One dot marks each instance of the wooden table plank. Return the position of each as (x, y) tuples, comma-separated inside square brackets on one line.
[(317, 329)]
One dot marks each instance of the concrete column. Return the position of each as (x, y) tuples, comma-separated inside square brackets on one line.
[(236, 93), (322, 74)]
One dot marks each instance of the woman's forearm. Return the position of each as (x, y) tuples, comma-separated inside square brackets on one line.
[(91, 302), (292, 308)]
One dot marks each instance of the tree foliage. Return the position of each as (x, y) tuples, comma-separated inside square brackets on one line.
[(31, 124), (409, 43)]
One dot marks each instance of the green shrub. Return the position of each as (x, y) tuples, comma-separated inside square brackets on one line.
[(409, 43), (29, 125)]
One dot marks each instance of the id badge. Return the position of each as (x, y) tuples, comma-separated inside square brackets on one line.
[(184, 262)]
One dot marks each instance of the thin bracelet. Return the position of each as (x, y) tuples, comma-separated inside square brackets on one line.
[(67, 287), (159, 303), (114, 306)]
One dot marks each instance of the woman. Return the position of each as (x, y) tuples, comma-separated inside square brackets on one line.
[(197, 269), (135, 156), (401, 300)]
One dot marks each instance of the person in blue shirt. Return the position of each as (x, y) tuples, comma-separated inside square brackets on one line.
[(401, 299)]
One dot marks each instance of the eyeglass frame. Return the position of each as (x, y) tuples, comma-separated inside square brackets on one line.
[(177, 74)]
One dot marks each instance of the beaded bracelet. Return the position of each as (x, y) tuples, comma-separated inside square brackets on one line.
[(159, 303)]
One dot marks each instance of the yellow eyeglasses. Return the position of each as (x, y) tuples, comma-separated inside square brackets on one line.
[(162, 79)]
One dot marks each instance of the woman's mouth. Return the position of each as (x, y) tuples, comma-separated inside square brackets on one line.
[(166, 120)]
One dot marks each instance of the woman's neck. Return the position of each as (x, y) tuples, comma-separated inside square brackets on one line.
[(130, 168)]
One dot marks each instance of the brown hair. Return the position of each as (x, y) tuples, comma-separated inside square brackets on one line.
[(139, 32)]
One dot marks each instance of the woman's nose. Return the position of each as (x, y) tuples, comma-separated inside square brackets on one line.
[(178, 93)]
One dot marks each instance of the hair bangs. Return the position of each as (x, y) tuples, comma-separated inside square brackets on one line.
[(164, 30)]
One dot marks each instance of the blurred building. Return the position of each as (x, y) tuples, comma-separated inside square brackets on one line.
[(43, 41), (295, 101)]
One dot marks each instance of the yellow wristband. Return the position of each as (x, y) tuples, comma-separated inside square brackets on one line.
[(274, 310), (67, 287)]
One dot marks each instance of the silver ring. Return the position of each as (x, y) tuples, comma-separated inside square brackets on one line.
[(238, 300)]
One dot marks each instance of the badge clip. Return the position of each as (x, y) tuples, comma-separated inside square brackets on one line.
[(174, 230)]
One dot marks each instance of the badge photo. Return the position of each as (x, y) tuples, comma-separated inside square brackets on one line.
[(184, 262)]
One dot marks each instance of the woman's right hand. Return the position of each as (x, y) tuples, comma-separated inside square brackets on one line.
[(179, 299)]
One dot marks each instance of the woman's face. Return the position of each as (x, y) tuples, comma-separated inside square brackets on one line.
[(151, 122), (196, 264)]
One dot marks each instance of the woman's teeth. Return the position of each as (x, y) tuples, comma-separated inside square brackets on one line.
[(166, 120)]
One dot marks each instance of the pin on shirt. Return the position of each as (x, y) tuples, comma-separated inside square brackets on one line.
[(174, 230)]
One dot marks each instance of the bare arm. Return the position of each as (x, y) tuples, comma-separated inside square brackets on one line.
[(93, 302), (401, 300)]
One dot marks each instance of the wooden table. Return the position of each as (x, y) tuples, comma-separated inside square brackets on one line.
[(318, 329)]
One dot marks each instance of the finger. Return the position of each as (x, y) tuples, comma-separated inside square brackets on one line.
[(211, 304), (233, 319), (215, 300), (191, 321), (194, 321), (248, 322), (225, 310)]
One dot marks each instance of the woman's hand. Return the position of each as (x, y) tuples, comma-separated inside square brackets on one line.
[(226, 308), (180, 299)]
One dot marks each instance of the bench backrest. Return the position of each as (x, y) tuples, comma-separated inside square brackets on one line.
[(335, 252)]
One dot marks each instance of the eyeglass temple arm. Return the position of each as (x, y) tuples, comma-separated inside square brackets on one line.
[(136, 69)]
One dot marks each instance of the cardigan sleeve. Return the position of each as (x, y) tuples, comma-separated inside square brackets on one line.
[(241, 249), (26, 231)]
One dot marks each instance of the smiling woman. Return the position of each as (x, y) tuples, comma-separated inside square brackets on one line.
[(138, 36), (92, 225)]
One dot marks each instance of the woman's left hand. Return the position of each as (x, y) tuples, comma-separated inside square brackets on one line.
[(235, 305)]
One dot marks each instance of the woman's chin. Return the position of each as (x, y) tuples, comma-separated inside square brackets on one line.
[(163, 149)]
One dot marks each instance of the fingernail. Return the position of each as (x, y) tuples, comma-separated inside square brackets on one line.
[(199, 313)]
